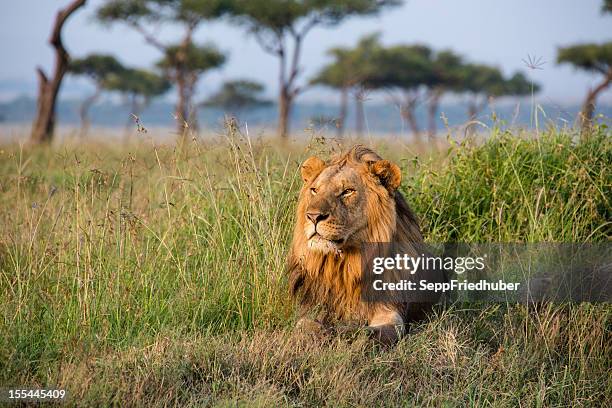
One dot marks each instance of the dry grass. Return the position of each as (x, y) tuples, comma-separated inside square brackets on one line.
[(149, 275), (462, 357)]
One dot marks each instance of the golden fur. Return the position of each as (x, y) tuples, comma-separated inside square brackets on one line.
[(350, 200)]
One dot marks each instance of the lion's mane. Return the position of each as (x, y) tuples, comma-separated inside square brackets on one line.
[(332, 282)]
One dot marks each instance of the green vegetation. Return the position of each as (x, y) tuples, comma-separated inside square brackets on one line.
[(153, 275), (281, 26), (412, 74), (138, 85), (348, 72), (594, 58), (184, 63), (98, 67), (237, 96)]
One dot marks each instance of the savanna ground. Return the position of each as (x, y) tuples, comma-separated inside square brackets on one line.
[(150, 275)]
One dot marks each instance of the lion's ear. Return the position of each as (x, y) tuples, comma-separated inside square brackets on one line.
[(311, 168), (389, 174)]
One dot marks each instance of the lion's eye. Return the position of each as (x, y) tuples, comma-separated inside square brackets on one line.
[(347, 192), (313, 191)]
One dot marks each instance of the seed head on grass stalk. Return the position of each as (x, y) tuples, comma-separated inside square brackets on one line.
[(534, 63)]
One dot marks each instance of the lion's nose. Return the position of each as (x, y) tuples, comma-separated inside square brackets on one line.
[(316, 216)]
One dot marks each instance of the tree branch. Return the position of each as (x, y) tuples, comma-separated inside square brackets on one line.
[(42, 77), (603, 84), (62, 15), (149, 37), (275, 48), (309, 25), (295, 60)]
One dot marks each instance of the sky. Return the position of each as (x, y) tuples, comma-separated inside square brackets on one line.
[(501, 33)]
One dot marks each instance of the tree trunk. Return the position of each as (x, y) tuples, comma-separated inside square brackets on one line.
[(48, 88), (185, 83), (343, 112), (472, 111), (186, 117), (285, 102), (192, 113), (407, 103), (475, 106), (588, 109), (84, 111), (181, 112), (407, 113), (359, 115), (287, 80), (432, 111)]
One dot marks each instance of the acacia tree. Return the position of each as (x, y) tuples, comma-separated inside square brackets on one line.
[(179, 60), (594, 58), (48, 88), (482, 82), (404, 71), (335, 76), (479, 83), (445, 76), (238, 95), (98, 68), (348, 71), (139, 87), (195, 60), (280, 27), (518, 85)]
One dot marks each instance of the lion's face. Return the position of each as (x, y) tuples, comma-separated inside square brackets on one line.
[(340, 200), (336, 199)]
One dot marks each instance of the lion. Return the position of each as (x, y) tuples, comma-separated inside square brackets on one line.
[(351, 200)]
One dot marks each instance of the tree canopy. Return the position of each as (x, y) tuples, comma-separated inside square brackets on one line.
[(482, 79), (96, 66), (194, 58), (184, 62), (519, 85), (350, 66), (446, 71), (238, 95), (405, 67), (414, 73), (138, 82), (280, 16), (590, 57), (186, 11), (277, 22), (595, 58), (111, 75)]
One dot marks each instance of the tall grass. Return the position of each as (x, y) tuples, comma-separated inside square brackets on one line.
[(153, 273), (518, 189)]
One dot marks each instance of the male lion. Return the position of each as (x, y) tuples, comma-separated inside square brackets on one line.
[(344, 203)]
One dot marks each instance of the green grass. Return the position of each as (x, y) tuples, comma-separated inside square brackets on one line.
[(154, 276)]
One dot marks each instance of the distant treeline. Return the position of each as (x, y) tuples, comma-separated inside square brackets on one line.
[(411, 75), (380, 117)]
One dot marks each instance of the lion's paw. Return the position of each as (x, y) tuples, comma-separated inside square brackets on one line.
[(386, 335)]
